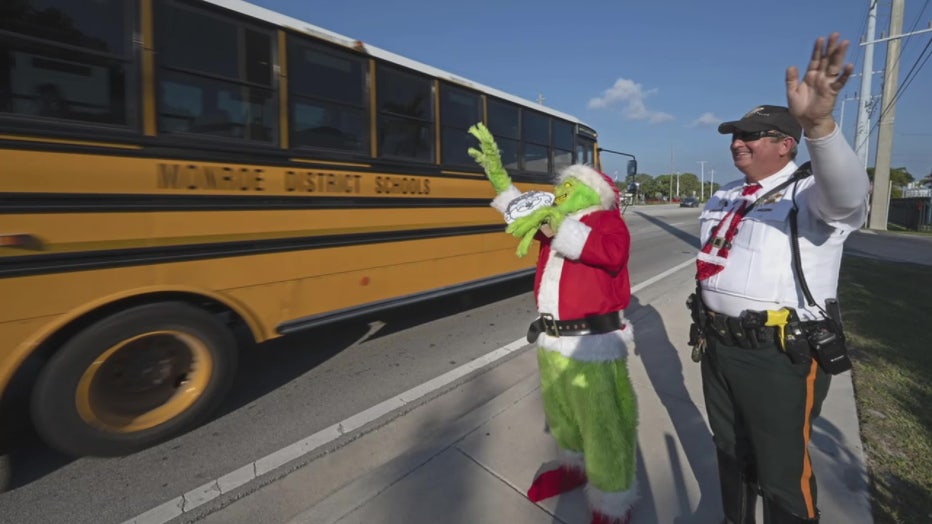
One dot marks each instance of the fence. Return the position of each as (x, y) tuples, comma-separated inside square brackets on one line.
[(914, 213)]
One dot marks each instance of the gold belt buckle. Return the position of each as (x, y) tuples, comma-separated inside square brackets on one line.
[(550, 324)]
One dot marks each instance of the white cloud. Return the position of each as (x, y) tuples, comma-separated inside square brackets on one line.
[(707, 119), (631, 97)]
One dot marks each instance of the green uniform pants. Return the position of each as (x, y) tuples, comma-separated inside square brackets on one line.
[(761, 407)]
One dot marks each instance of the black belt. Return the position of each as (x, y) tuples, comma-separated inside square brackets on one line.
[(739, 331), (747, 331), (584, 326)]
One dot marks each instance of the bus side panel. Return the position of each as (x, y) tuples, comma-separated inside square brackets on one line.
[(266, 290)]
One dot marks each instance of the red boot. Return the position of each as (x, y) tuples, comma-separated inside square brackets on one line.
[(602, 518), (555, 481)]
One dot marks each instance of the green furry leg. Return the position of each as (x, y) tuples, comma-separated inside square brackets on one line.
[(591, 408)]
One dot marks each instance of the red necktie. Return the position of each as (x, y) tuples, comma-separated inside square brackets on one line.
[(711, 259)]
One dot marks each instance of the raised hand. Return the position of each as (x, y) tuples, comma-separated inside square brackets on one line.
[(812, 100), (489, 157)]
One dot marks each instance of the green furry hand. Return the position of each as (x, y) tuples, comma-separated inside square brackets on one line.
[(527, 226), (489, 157), (525, 244)]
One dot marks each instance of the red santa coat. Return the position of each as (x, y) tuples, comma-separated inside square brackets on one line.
[(583, 270)]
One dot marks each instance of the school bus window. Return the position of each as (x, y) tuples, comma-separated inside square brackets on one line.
[(535, 134), (327, 97), (459, 109), (215, 76), (405, 114), (584, 152), (211, 107), (504, 124), (562, 140), (561, 159), (59, 60), (562, 134), (99, 25)]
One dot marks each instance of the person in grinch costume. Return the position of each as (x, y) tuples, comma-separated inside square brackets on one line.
[(581, 288)]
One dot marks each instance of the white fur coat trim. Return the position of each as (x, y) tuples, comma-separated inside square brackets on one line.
[(614, 505), (572, 459), (548, 296), (571, 238), (500, 202), (601, 347)]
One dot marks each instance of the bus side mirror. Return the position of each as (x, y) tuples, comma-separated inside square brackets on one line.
[(632, 167)]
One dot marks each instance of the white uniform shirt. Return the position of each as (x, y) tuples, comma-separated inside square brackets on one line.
[(758, 273)]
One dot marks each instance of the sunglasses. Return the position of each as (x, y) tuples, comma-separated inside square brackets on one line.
[(751, 136)]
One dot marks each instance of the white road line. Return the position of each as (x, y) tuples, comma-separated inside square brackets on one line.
[(239, 477), (661, 276)]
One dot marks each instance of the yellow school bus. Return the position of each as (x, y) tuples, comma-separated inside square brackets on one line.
[(170, 166)]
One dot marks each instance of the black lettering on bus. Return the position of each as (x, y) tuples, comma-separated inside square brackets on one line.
[(339, 183), (167, 176), (402, 185), (258, 180), (222, 178), (300, 181), (319, 182), (190, 176), (210, 178)]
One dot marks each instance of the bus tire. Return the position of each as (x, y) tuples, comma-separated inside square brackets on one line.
[(6, 472), (134, 379)]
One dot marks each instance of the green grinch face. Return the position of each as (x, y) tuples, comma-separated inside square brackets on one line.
[(572, 195)]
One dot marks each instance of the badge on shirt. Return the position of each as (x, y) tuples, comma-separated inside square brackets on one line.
[(772, 199)]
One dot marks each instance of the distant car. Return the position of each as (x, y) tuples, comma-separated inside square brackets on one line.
[(689, 202)]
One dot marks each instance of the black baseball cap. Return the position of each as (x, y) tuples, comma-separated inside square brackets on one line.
[(765, 118)]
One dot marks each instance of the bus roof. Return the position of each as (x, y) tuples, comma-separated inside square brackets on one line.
[(301, 26)]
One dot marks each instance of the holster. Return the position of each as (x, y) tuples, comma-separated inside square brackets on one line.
[(697, 313)]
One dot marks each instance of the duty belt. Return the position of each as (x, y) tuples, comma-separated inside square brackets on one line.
[(584, 326), (747, 331)]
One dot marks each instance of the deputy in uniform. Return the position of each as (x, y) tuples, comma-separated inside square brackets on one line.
[(762, 391)]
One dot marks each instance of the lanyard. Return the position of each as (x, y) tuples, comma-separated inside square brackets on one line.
[(802, 172)]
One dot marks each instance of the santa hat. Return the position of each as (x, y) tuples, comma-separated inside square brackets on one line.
[(598, 181)]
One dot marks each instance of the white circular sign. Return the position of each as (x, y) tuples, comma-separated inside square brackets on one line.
[(526, 203)]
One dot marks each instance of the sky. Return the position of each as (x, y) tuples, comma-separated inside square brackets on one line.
[(653, 77)]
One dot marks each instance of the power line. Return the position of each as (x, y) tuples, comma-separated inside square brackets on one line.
[(861, 32), (913, 71)]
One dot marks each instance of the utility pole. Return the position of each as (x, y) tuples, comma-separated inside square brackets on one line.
[(880, 196), (701, 180), (862, 131), (711, 182), (841, 121)]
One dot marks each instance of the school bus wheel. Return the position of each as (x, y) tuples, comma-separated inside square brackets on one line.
[(6, 472), (134, 379)]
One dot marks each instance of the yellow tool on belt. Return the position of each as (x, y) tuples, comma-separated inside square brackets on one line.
[(779, 319)]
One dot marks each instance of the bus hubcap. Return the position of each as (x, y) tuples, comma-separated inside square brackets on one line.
[(144, 381)]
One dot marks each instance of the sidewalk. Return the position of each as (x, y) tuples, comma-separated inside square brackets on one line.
[(467, 456)]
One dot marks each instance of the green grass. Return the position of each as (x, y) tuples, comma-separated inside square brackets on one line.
[(887, 313)]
